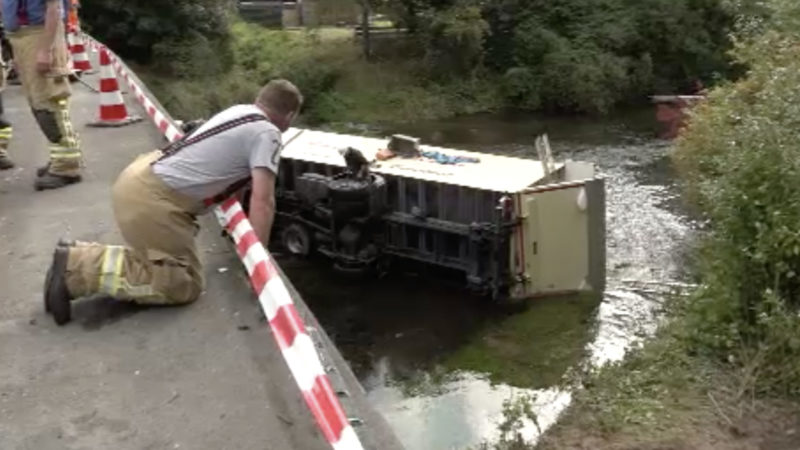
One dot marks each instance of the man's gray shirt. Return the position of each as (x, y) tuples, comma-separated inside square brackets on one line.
[(206, 168)]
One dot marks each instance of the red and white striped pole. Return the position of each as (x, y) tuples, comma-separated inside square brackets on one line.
[(113, 112)]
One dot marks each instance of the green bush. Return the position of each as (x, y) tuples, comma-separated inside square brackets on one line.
[(574, 55), (313, 65), (338, 85), (583, 79), (741, 159), (266, 54), (200, 98), (455, 40), (562, 55), (191, 56), (194, 81), (139, 29), (591, 55)]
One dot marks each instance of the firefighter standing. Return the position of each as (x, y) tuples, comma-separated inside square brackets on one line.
[(6, 130), (36, 31), (157, 199), (73, 23)]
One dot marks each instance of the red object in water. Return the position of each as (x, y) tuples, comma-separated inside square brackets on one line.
[(671, 112)]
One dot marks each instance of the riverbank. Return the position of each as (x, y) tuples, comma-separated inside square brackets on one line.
[(339, 85), (665, 396), (723, 372)]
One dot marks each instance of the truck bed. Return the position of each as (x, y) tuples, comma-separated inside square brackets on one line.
[(492, 172)]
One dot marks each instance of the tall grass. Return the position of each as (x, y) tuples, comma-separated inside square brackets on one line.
[(339, 86)]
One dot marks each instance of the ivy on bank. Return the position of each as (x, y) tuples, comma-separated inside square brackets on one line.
[(741, 159)]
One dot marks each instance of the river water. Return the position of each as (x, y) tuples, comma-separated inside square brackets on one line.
[(440, 364)]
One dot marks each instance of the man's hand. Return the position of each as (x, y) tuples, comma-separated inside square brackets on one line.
[(262, 203), (52, 22), (44, 60)]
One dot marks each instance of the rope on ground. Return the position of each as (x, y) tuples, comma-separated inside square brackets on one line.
[(288, 328), (80, 80)]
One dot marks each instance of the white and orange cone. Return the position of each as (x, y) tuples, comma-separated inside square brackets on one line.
[(113, 112), (80, 58)]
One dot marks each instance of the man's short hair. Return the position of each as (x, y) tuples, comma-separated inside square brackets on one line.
[(281, 97)]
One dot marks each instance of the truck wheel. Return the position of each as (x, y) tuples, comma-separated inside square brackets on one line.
[(347, 189), (383, 266), (296, 240)]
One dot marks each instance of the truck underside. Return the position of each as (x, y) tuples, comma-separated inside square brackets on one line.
[(359, 226), (507, 241)]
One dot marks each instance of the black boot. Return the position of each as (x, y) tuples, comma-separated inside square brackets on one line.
[(42, 171), (51, 181), (62, 243), (13, 77), (66, 243), (6, 163), (56, 295)]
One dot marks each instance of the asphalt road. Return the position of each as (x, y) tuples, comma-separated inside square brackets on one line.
[(205, 376)]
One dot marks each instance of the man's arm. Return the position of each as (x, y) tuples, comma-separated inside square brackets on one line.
[(262, 203), (44, 56)]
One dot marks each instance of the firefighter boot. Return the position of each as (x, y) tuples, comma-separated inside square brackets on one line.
[(65, 155), (67, 243), (51, 181), (5, 162), (5, 139), (56, 295), (62, 243)]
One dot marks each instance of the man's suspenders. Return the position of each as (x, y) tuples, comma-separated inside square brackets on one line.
[(186, 141)]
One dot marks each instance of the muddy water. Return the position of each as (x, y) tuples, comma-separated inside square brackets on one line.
[(440, 364)]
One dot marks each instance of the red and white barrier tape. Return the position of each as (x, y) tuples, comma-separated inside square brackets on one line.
[(287, 326), (290, 332)]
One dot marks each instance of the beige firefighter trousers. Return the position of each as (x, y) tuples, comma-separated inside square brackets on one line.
[(6, 132), (160, 266), (49, 92)]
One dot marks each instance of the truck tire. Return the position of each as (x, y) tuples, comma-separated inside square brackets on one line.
[(347, 189), (383, 266), (296, 240)]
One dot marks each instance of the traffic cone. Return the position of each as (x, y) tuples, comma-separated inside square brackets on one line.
[(113, 112), (80, 59), (73, 22)]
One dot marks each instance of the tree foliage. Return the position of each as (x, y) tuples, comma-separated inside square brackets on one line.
[(557, 55), (575, 55), (455, 39), (180, 37), (741, 158)]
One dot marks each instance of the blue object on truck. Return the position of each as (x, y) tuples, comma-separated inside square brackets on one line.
[(443, 158)]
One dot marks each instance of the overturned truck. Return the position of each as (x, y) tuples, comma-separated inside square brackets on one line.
[(515, 228)]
